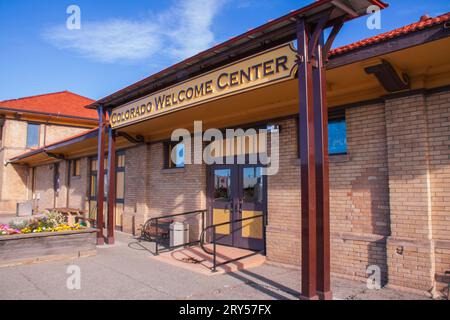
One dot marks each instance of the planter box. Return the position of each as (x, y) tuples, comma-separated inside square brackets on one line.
[(48, 246)]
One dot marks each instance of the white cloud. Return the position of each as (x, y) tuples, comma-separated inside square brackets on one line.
[(190, 31), (108, 41), (182, 31)]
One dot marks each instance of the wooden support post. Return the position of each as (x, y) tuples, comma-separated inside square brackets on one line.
[(308, 161), (322, 174), (111, 184), (101, 174)]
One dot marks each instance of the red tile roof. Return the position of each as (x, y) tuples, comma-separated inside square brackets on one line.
[(424, 23), (62, 104)]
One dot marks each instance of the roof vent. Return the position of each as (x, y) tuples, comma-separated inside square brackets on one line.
[(425, 17)]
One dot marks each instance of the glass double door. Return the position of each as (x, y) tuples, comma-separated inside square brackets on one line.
[(238, 192)]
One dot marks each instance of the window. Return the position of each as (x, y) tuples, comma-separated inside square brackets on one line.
[(174, 155), (337, 136), (2, 124), (32, 135), (222, 185), (253, 185), (120, 178), (76, 168)]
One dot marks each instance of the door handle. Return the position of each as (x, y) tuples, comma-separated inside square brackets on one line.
[(240, 205), (231, 206)]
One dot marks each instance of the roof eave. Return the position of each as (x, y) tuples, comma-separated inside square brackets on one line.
[(48, 114)]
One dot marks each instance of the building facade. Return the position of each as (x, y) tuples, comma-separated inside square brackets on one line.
[(389, 155), (28, 124)]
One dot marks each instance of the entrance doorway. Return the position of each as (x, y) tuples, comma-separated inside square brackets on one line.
[(238, 192)]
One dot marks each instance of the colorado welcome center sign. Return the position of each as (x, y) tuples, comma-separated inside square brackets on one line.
[(266, 68)]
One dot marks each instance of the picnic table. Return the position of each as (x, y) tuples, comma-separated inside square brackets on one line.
[(73, 215)]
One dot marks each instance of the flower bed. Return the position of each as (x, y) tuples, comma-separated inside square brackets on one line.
[(45, 238), (48, 222)]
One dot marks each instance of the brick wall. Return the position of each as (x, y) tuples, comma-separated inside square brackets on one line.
[(283, 229), (359, 195), (44, 191), (56, 133), (152, 190), (359, 201), (79, 187), (390, 199), (438, 107), (410, 246), (15, 181)]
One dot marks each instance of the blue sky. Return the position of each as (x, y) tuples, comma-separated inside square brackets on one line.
[(121, 42)]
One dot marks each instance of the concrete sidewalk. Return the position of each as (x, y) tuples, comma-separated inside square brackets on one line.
[(127, 271)]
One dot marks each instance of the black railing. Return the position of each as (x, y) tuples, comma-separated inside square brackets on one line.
[(157, 229), (215, 239)]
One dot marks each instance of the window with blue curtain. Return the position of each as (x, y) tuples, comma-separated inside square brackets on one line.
[(174, 155), (32, 135), (179, 159), (337, 136)]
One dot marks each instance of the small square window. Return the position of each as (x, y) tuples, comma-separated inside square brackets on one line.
[(175, 153), (32, 135), (337, 136)]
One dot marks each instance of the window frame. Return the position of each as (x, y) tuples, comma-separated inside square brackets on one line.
[(333, 115), (38, 125), (73, 168), (167, 149), (338, 115)]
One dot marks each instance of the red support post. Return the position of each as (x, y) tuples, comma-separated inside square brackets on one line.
[(322, 174), (101, 174), (111, 184), (308, 162)]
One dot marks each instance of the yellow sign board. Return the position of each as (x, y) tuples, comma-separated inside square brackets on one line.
[(272, 66)]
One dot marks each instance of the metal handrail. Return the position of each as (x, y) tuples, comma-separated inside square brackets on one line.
[(154, 222), (214, 241)]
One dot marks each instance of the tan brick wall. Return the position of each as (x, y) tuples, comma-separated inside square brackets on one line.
[(137, 161), (410, 248), (79, 187), (438, 106), (152, 190), (15, 179), (284, 224), (359, 197), (73, 196), (44, 192), (56, 133)]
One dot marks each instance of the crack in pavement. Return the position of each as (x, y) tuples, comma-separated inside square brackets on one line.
[(33, 284)]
